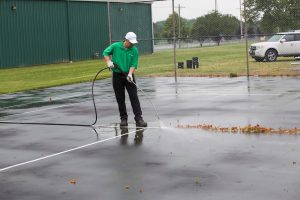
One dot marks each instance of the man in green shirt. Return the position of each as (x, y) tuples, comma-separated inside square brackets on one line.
[(125, 55)]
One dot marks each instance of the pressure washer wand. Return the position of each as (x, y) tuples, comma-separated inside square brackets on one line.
[(122, 72)]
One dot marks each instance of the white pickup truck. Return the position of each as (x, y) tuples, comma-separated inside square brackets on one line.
[(285, 44)]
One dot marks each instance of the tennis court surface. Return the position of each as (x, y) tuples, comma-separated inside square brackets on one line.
[(160, 161)]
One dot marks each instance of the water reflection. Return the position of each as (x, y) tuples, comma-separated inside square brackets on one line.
[(138, 138), (139, 135), (96, 132), (124, 136)]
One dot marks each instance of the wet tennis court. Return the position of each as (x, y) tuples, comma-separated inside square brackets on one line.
[(160, 161)]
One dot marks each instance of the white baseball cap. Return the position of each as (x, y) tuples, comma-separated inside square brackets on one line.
[(131, 37)]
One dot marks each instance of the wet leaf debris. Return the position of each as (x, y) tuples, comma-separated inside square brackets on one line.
[(73, 181), (249, 129)]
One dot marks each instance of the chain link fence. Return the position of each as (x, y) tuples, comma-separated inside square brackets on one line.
[(216, 43), (223, 44), (264, 40)]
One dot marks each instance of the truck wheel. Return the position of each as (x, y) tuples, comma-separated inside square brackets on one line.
[(271, 55)]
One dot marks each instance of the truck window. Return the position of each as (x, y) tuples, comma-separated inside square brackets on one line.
[(289, 38)]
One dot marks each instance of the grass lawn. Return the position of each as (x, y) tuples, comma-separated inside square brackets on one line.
[(214, 61)]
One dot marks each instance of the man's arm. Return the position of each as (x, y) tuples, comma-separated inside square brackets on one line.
[(131, 70), (107, 56), (134, 65)]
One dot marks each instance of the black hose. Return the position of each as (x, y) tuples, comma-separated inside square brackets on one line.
[(96, 114), (64, 124)]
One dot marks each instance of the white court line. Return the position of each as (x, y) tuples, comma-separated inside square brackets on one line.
[(33, 111), (130, 125), (66, 151), (107, 126), (52, 99), (38, 110)]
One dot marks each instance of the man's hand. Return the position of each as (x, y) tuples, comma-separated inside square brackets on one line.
[(130, 78), (110, 64)]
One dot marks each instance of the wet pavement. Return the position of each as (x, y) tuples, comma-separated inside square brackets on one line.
[(156, 162)]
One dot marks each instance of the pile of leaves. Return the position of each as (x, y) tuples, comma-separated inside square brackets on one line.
[(237, 129)]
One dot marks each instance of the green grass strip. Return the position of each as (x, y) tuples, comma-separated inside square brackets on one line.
[(222, 60)]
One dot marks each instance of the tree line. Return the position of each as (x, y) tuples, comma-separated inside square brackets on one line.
[(262, 17)]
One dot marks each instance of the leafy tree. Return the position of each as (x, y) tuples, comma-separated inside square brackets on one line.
[(215, 25), (273, 15), (199, 30), (189, 24), (158, 29), (168, 27)]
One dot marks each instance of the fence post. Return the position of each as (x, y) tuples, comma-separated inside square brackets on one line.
[(174, 42), (246, 39)]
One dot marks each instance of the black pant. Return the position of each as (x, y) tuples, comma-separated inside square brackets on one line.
[(120, 83)]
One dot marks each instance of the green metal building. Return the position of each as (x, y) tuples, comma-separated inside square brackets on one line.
[(36, 32)]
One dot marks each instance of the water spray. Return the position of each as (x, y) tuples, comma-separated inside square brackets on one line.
[(155, 110)]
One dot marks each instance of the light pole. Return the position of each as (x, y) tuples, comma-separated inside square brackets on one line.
[(179, 24), (246, 39), (241, 19), (109, 22)]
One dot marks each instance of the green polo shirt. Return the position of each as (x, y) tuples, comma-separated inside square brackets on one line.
[(124, 58)]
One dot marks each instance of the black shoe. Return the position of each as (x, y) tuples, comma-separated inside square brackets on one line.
[(140, 123), (123, 122)]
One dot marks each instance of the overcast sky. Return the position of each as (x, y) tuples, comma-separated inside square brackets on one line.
[(194, 8)]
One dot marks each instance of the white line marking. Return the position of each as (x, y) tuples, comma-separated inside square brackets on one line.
[(66, 151), (53, 99), (130, 125), (108, 126), (33, 111)]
